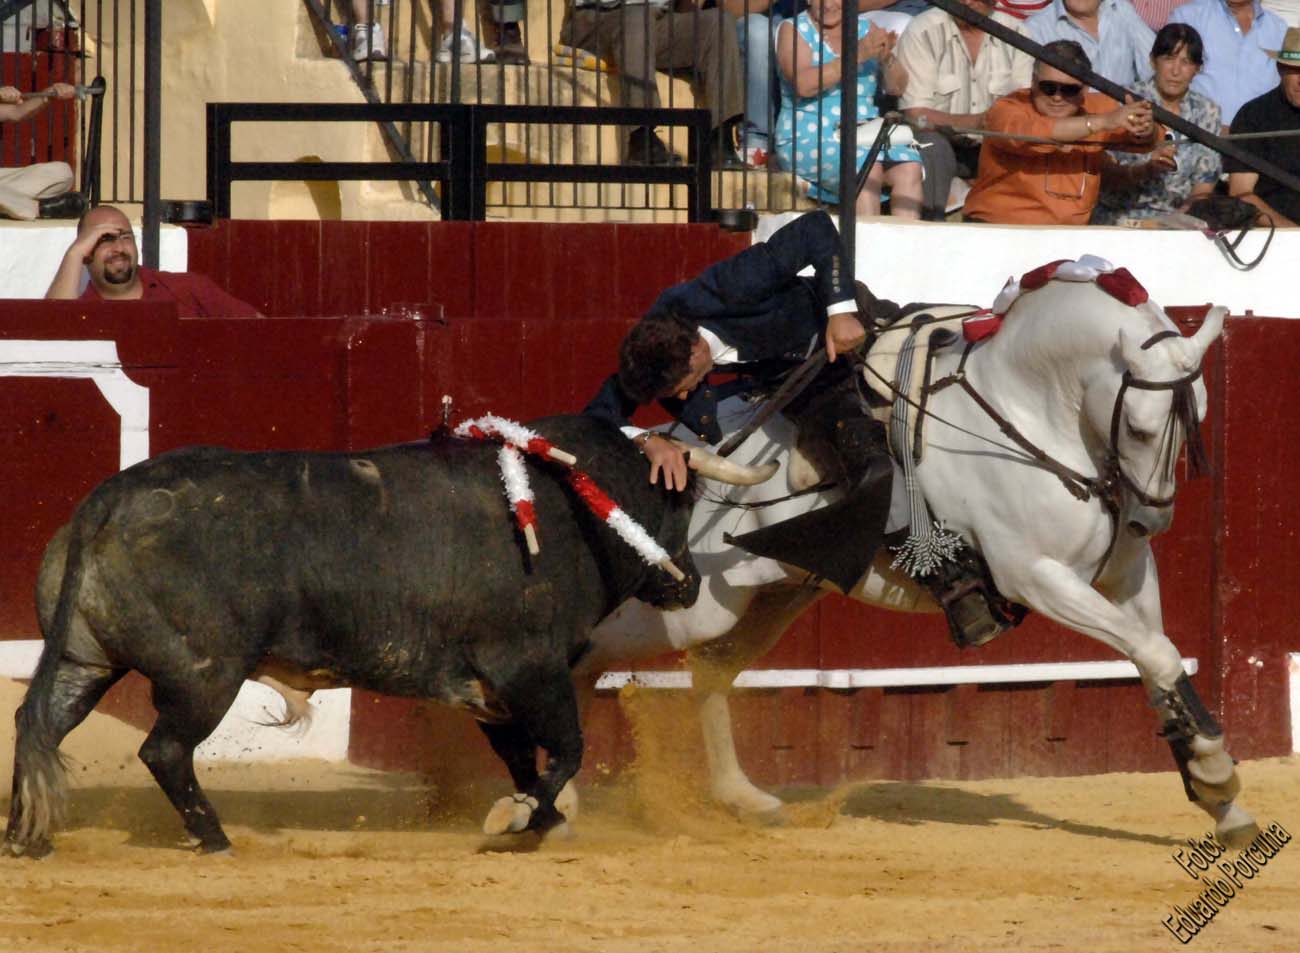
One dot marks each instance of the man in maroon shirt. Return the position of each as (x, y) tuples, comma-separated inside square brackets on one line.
[(105, 245)]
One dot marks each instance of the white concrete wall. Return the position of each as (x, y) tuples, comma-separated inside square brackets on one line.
[(30, 253), (968, 264)]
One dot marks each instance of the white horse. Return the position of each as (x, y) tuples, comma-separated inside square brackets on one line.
[(1071, 370)]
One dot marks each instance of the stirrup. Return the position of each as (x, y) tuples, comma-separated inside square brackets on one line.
[(971, 621)]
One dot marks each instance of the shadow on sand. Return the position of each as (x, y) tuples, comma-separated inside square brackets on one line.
[(902, 802)]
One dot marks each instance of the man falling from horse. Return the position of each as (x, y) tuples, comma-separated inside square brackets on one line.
[(753, 316)]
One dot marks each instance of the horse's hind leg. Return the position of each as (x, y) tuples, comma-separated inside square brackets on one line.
[(59, 699), (715, 665), (186, 716)]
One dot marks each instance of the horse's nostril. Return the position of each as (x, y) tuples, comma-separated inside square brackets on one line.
[(1137, 529)]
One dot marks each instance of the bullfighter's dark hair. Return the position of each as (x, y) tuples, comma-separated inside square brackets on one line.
[(1070, 51), (1174, 35), (655, 355)]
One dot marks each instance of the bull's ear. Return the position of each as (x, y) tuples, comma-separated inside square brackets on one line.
[(1209, 330)]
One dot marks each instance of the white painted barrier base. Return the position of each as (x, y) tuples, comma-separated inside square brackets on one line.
[(245, 735)]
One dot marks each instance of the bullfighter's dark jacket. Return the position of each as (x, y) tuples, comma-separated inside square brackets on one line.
[(756, 302)]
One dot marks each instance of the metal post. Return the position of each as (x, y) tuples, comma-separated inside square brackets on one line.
[(152, 129), (849, 135)]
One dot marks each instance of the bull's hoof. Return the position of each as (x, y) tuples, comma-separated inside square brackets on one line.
[(510, 815), (214, 847), (566, 802), (33, 850)]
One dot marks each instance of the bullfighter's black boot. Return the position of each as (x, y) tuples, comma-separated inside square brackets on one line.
[(976, 612)]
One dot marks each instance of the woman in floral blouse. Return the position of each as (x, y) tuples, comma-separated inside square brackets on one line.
[(1174, 175)]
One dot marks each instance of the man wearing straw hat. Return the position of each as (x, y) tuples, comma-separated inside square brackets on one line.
[(1278, 110), (43, 189)]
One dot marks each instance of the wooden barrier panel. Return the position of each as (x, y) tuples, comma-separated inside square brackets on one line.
[(524, 320)]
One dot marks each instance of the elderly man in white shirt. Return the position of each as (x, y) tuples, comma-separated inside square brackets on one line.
[(954, 73), (1117, 40)]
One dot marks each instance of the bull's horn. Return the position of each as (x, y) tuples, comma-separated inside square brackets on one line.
[(727, 471)]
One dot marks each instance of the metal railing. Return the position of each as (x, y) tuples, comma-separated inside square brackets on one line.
[(75, 41), (571, 63), (459, 171)]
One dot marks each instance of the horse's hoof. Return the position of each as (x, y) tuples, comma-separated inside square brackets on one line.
[(510, 815), (1235, 828), (750, 802)]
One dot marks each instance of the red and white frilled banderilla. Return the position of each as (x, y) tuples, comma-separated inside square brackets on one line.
[(516, 440)]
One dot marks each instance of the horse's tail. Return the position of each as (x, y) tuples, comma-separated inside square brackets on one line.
[(40, 775)]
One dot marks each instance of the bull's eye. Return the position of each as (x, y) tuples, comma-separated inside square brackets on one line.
[(1137, 435)]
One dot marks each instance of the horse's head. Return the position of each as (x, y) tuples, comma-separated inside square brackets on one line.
[(1158, 404)]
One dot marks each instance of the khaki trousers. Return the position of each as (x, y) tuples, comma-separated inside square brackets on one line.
[(21, 188), (640, 40)]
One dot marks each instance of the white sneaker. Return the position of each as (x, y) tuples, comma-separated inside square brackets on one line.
[(469, 49), (368, 42)]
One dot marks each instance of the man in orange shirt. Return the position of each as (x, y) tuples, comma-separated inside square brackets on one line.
[(1057, 183)]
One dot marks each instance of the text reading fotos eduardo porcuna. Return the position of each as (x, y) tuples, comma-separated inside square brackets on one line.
[(1206, 862)]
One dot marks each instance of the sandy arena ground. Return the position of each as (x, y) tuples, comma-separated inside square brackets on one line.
[(332, 858)]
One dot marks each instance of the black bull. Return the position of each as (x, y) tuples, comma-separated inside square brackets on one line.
[(397, 570)]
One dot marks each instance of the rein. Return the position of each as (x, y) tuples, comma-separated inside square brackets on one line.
[(1108, 487)]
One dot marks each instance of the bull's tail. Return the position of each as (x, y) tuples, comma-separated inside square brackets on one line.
[(61, 694)]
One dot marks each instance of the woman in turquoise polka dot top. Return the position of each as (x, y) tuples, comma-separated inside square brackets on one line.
[(807, 131)]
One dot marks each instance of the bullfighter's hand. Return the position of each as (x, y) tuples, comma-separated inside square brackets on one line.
[(844, 332), (10, 96), (668, 459), (62, 91)]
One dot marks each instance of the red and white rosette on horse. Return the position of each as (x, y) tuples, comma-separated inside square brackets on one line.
[(516, 440)]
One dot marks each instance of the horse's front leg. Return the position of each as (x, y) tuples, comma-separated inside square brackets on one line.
[(1132, 624), (714, 667)]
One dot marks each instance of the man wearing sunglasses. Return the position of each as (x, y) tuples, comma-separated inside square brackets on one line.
[(105, 247), (1025, 181)]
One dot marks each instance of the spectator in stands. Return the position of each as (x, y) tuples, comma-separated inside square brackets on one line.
[(44, 189), (460, 42), (808, 133), (1155, 13), (105, 246), (368, 41), (642, 36), (1172, 176), (1038, 183), (1110, 32), (504, 33), (758, 22), (1276, 110), (954, 73), (1236, 33)]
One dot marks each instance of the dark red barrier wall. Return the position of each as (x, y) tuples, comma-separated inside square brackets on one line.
[(524, 319)]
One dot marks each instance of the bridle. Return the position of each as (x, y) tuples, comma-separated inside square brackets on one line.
[(1184, 408), (1109, 484)]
